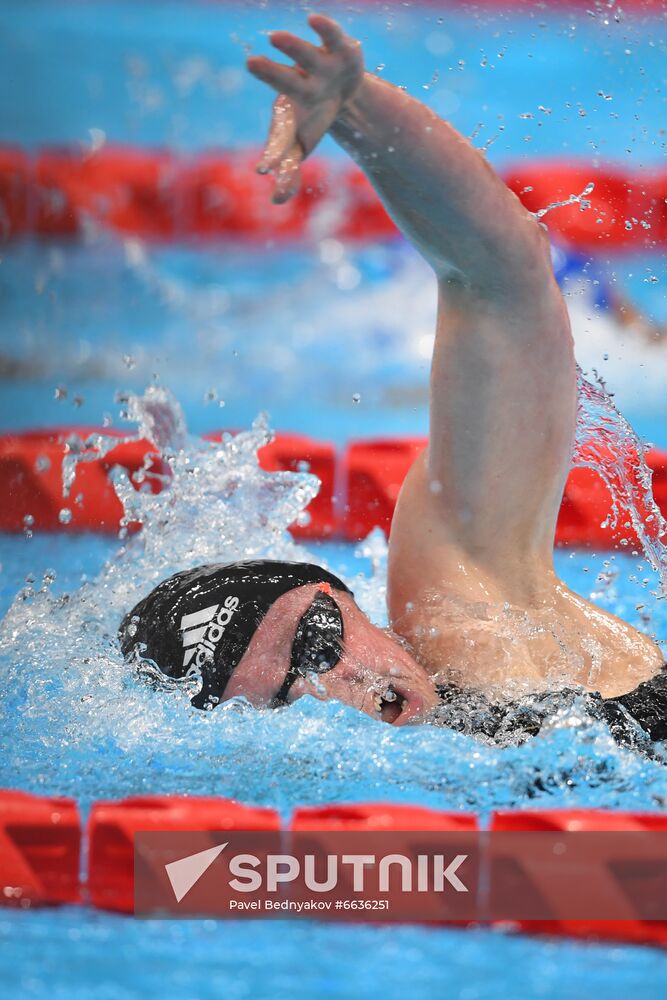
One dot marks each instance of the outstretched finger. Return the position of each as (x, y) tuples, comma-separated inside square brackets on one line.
[(288, 177), (329, 31), (282, 135), (284, 79), (306, 55)]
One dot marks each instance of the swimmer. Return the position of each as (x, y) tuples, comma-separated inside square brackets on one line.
[(573, 268), (474, 602)]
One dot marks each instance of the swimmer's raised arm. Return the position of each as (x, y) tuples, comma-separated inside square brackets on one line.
[(503, 379), (439, 189), (472, 535)]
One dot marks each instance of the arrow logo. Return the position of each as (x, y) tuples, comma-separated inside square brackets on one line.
[(186, 871)]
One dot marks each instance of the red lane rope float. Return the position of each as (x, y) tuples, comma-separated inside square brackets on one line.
[(42, 839), (157, 195), (522, 877), (31, 478), (374, 472), (370, 474), (626, 210), (379, 816), (39, 850), (326, 822), (112, 826)]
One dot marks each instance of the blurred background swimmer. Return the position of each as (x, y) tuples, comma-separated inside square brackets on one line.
[(578, 274)]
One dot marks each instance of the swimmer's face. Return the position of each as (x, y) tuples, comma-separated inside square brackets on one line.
[(374, 673)]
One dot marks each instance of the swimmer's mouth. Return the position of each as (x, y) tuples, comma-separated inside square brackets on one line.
[(389, 705)]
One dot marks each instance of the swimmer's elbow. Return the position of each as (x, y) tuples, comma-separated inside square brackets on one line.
[(497, 262)]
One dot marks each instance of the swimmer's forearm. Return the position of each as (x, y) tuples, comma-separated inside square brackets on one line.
[(439, 190)]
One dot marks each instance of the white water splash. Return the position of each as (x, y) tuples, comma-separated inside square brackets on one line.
[(61, 661), (573, 199), (606, 443)]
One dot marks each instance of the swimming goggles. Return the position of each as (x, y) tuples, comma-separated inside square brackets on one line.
[(317, 645)]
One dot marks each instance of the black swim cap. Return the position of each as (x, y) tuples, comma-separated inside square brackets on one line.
[(199, 623)]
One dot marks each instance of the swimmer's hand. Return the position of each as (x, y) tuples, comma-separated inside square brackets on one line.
[(311, 95)]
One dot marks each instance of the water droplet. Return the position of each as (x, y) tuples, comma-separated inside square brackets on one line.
[(98, 138), (356, 397), (65, 515), (331, 251), (60, 392), (572, 200)]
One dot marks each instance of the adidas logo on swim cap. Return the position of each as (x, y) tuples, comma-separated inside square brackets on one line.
[(203, 630)]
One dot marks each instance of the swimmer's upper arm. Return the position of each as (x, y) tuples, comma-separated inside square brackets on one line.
[(503, 408), (503, 385)]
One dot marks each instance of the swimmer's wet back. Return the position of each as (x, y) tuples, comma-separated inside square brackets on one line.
[(200, 622)]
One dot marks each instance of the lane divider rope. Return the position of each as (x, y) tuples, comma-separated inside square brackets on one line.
[(157, 195), (370, 474), (41, 840)]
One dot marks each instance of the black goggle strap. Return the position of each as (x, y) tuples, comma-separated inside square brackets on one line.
[(317, 646)]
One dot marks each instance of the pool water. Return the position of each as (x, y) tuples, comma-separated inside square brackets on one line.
[(138, 741), (334, 340), (75, 955)]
